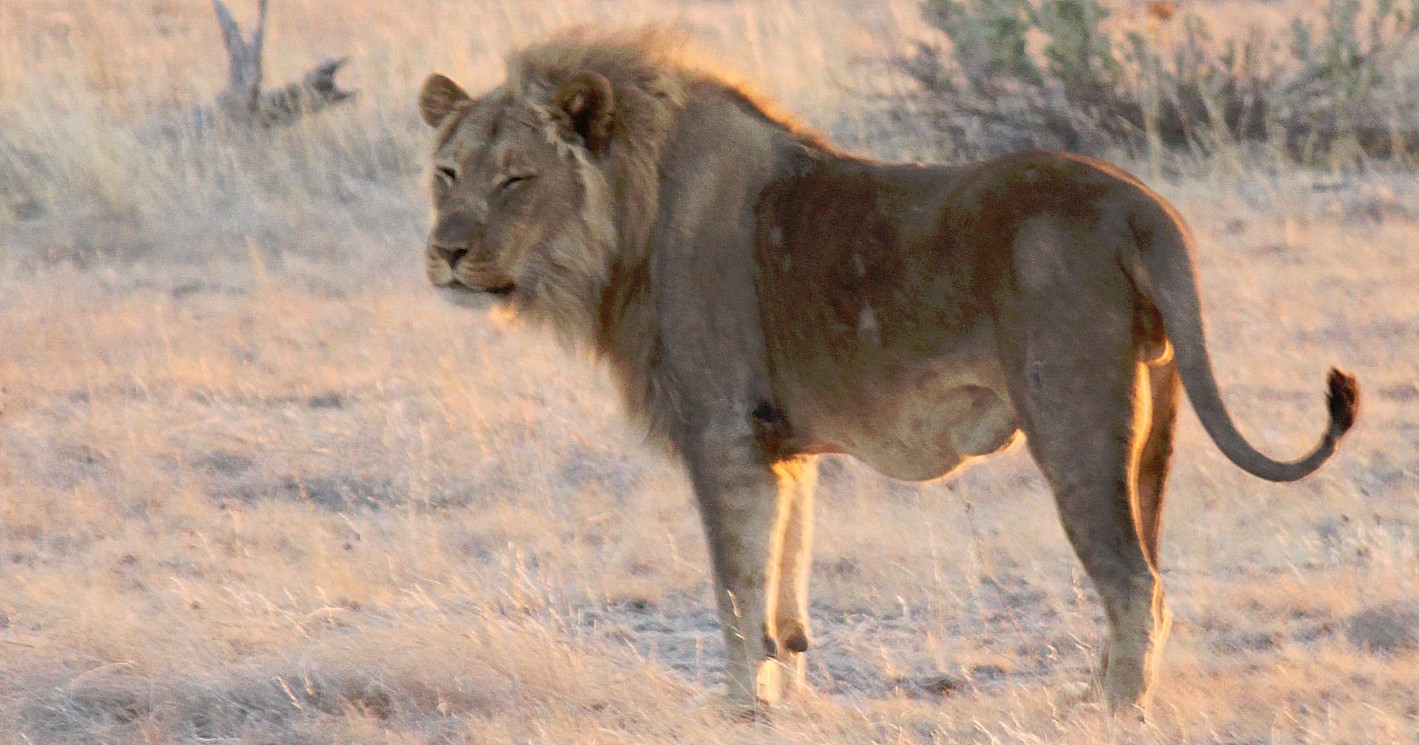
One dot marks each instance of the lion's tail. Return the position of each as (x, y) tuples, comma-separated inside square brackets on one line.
[(1164, 248)]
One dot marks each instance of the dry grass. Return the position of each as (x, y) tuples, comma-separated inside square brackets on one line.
[(258, 485)]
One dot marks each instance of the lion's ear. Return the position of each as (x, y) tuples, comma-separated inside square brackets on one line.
[(438, 97), (588, 101)]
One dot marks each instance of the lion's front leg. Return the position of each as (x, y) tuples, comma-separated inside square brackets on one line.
[(738, 498), (793, 548)]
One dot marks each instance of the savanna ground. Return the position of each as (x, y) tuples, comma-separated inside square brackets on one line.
[(257, 484)]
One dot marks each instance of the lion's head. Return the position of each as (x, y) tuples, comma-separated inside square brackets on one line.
[(544, 186), (521, 210)]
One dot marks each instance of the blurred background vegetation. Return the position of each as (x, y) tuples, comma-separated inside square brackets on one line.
[(1334, 86)]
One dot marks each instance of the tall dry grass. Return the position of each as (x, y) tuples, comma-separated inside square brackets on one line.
[(92, 96), (258, 485)]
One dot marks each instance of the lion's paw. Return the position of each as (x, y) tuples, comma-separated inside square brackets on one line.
[(768, 683)]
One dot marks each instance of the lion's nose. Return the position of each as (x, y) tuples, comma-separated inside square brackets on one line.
[(449, 255)]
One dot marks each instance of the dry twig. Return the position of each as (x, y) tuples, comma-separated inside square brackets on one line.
[(243, 102)]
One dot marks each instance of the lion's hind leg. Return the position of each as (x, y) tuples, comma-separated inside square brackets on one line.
[(1156, 453), (1083, 398), (1087, 462)]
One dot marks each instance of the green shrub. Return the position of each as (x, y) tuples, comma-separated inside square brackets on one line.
[(1002, 74)]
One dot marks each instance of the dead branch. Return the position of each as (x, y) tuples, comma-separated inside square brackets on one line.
[(243, 102)]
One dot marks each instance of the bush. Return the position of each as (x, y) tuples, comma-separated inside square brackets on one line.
[(1003, 74)]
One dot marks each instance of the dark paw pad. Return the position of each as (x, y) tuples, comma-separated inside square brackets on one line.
[(796, 639)]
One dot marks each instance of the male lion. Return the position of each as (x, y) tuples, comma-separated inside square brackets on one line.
[(764, 298)]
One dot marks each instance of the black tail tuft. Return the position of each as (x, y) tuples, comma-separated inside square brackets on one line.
[(1344, 401)]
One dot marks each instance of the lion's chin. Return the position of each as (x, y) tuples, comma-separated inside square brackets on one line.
[(466, 297)]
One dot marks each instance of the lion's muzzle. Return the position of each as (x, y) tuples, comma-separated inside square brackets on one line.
[(454, 267), (449, 255), (439, 263)]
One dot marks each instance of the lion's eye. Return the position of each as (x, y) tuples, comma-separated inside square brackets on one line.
[(512, 181), (447, 174)]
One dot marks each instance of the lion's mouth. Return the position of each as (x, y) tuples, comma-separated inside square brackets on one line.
[(502, 290), (497, 289), (464, 293), (462, 275)]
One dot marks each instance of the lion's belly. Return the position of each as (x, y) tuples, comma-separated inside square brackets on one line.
[(920, 424), (878, 320)]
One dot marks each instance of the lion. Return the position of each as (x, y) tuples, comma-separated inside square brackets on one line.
[(764, 298)]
